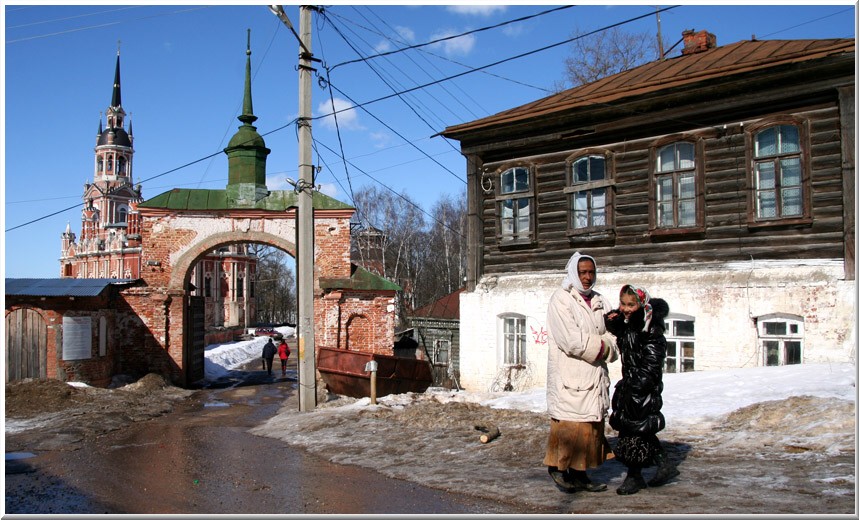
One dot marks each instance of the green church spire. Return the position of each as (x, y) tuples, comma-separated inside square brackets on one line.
[(247, 153)]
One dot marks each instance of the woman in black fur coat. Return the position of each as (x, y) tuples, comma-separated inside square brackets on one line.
[(639, 326)]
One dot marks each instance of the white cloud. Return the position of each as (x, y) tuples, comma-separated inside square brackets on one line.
[(405, 33), (460, 46), (382, 46), (381, 139), (477, 10), (329, 188), (346, 119), (277, 182)]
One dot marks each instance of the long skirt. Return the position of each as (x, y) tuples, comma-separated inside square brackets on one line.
[(576, 445)]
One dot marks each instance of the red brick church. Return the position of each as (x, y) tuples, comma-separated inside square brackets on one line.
[(110, 244)]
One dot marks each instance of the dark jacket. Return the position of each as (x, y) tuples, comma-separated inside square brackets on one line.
[(637, 398), (269, 350)]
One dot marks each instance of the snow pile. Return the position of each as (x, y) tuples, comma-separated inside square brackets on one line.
[(222, 358)]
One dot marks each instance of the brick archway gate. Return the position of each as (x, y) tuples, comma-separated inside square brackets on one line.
[(176, 239)]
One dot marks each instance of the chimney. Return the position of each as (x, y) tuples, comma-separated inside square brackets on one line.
[(697, 41)]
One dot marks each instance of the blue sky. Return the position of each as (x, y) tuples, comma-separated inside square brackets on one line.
[(183, 76)]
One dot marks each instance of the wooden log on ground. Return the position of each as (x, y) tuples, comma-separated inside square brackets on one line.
[(490, 432)]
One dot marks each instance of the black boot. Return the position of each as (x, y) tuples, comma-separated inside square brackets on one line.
[(632, 483), (579, 479), (560, 481), (665, 470)]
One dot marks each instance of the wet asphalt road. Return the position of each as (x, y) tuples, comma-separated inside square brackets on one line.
[(200, 459)]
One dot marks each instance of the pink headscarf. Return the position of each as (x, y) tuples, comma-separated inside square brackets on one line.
[(643, 300)]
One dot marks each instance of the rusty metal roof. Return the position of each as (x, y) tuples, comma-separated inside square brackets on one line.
[(445, 308), (719, 62), (61, 286)]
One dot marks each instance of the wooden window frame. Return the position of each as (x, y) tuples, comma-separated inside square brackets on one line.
[(608, 183), (521, 346), (804, 161), (697, 143), (500, 198), (788, 336)]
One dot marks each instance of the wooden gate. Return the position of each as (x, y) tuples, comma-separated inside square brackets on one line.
[(26, 345), (195, 367)]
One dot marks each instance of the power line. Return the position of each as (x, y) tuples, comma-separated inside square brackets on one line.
[(99, 26), (499, 62), (508, 22), (389, 86)]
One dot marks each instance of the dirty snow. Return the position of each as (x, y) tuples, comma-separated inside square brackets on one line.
[(745, 440)]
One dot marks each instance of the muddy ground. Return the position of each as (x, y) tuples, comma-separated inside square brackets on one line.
[(743, 467)]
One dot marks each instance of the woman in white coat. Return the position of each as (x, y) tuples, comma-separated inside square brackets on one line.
[(577, 382)]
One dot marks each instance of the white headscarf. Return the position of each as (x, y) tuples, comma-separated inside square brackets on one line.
[(572, 278)]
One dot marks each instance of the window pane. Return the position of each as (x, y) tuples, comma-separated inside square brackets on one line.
[(664, 189), (766, 204), (521, 179), (687, 187), (789, 139), (687, 213), (580, 210), (775, 328), (766, 175), (665, 215), (514, 179), (670, 365), (597, 168), (791, 174), (765, 142), (793, 352), (672, 348), (507, 180), (580, 170), (686, 154), (507, 208), (688, 349), (684, 328), (666, 159), (598, 213), (791, 202), (688, 365), (794, 328), (524, 221), (771, 349)]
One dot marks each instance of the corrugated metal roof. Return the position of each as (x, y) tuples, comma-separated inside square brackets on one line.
[(718, 62), (61, 286)]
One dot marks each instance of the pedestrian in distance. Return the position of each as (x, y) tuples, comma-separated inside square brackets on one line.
[(268, 352), (283, 352), (639, 325), (577, 380)]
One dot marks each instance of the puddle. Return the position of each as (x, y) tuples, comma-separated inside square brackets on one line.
[(218, 404), (19, 455)]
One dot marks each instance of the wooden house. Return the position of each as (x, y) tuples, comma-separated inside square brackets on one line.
[(435, 328), (722, 180)]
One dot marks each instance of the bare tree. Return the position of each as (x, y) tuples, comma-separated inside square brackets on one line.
[(445, 266), (606, 53), (274, 287)]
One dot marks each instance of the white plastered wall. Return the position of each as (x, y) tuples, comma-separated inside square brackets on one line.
[(724, 299)]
